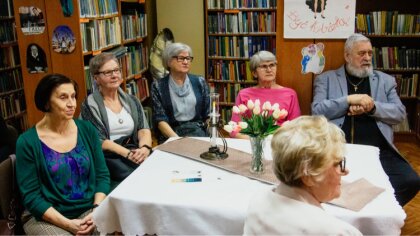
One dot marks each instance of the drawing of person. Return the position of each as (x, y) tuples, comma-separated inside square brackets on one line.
[(317, 6), (67, 7), (306, 58), (35, 59)]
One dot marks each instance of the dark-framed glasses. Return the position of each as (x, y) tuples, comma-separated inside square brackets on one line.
[(182, 59), (109, 73), (342, 164), (270, 66)]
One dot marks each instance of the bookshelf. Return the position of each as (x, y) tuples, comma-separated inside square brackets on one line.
[(12, 97), (119, 26), (394, 30), (234, 31)]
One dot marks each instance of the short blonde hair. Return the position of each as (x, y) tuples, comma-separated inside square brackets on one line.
[(306, 146)]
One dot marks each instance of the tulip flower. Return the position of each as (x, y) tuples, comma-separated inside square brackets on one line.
[(256, 110), (243, 108), (275, 106), (243, 125), (228, 128), (283, 114), (266, 106), (250, 104), (236, 110)]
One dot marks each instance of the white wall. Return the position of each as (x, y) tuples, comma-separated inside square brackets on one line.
[(185, 18)]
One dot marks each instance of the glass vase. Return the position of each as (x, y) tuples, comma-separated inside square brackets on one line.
[(257, 146)]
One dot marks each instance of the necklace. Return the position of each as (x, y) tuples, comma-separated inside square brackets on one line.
[(120, 121), (355, 86)]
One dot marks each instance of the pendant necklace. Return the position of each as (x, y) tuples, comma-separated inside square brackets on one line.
[(355, 86), (120, 121)]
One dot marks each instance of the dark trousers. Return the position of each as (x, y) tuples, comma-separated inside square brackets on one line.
[(403, 178)]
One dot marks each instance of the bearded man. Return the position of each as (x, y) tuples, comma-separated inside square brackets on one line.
[(364, 103)]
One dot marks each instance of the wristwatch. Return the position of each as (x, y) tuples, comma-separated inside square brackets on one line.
[(148, 147)]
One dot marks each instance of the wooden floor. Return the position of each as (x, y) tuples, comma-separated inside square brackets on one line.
[(411, 151)]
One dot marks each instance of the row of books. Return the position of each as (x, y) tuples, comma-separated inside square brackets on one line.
[(239, 47), (228, 92), (7, 31), (11, 80), (12, 104), (229, 70), (134, 26), (388, 23), (6, 8), (136, 59), (97, 8), (235, 4), (9, 57), (98, 34), (407, 86), (243, 22), (226, 114), (396, 58), (138, 88)]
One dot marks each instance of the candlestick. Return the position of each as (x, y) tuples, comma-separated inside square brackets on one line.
[(214, 152)]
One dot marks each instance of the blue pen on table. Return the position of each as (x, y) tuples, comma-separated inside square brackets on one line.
[(187, 180)]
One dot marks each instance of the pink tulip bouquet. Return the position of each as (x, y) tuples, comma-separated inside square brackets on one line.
[(257, 121)]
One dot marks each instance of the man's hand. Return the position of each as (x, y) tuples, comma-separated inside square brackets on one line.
[(360, 103)]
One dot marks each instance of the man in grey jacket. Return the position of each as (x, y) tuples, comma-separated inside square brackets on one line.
[(364, 103)]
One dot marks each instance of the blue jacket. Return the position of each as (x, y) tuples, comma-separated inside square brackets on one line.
[(330, 100)]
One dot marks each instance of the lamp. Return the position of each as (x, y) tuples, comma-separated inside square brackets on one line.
[(215, 124)]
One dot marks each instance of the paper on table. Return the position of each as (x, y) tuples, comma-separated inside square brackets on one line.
[(356, 195)]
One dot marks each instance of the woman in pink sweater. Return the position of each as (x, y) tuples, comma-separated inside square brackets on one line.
[(263, 65)]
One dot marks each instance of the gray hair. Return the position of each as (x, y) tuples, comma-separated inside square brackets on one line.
[(306, 146), (354, 38), (172, 50), (259, 57), (99, 60)]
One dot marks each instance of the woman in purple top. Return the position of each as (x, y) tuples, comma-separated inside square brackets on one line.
[(263, 65)]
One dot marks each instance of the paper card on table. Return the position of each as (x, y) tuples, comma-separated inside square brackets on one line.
[(356, 195), (186, 176)]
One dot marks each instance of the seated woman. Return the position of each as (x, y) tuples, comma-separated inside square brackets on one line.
[(60, 167), (181, 102), (263, 66), (308, 159), (119, 118)]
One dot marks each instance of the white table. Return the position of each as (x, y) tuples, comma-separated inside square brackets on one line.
[(149, 202)]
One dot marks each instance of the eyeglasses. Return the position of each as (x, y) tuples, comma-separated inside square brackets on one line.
[(182, 59), (342, 164), (109, 73), (272, 66)]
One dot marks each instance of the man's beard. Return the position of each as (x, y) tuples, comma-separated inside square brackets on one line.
[(359, 73)]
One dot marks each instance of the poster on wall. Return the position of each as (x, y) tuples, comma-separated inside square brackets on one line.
[(319, 18), (36, 60), (31, 20), (313, 59), (63, 40)]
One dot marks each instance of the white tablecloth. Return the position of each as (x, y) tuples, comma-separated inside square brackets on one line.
[(148, 201)]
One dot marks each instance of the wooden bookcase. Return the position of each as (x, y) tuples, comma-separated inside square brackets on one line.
[(394, 30), (103, 26), (234, 31), (12, 97)]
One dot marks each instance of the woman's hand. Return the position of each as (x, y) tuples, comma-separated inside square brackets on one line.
[(86, 225), (139, 155)]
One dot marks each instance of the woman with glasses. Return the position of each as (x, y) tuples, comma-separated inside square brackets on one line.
[(119, 117), (308, 159), (181, 102), (263, 66)]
